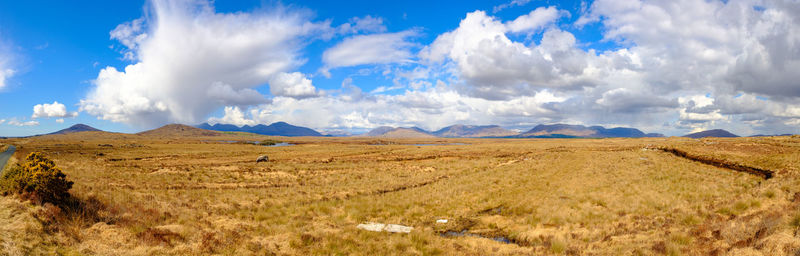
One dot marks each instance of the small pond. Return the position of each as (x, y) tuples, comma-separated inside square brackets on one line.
[(464, 233), (281, 144)]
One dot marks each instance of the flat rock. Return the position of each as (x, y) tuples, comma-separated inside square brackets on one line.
[(394, 228), (378, 227)]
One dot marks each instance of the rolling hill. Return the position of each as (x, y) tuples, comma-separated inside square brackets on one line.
[(178, 130), (580, 131), (274, 129), (473, 131), (711, 133), (76, 128)]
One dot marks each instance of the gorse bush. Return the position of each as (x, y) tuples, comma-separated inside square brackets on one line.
[(39, 179)]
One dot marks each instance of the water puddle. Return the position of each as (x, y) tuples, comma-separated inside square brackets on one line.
[(420, 144), (252, 142), (493, 210), (281, 144), (463, 233)]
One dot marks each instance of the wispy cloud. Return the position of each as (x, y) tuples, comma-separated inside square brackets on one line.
[(513, 3), (370, 49), (6, 62), (16, 122)]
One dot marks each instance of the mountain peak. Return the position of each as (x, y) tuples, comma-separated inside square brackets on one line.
[(178, 130), (77, 128), (711, 133)]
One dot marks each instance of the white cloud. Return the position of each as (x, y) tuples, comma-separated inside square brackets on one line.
[(6, 70), (131, 35), (666, 57), (510, 4), (696, 108), (225, 94), (191, 60), (60, 120), (15, 122), (745, 51), (666, 53), (234, 116), (5, 73), (295, 85), (367, 24), (495, 67), (535, 20), (624, 100), (431, 109), (683, 47), (52, 110), (2, 121), (370, 49)]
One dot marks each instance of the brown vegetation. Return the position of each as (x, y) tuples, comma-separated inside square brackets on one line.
[(206, 195)]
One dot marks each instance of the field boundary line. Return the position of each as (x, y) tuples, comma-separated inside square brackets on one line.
[(763, 173)]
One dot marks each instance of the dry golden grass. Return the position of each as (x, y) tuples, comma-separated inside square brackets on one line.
[(206, 195)]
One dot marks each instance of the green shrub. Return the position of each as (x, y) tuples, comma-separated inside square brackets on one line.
[(39, 179), (268, 142)]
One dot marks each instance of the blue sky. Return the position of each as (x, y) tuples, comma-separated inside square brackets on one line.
[(670, 67)]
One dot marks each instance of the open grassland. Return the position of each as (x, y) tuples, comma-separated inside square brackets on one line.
[(207, 195)]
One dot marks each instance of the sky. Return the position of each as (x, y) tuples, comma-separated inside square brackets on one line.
[(671, 67)]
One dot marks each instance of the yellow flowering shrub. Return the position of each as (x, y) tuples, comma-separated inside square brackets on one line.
[(39, 179)]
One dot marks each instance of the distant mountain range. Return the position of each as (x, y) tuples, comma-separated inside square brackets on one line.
[(453, 131), (494, 131), (580, 131), (711, 133), (473, 131), (76, 128), (400, 132), (274, 129)]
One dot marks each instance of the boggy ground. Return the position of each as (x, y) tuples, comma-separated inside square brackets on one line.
[(206, 195)]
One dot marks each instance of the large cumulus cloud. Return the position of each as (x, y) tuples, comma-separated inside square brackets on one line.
[(739, 56), (190, 60), (497, 67), (668, 53)]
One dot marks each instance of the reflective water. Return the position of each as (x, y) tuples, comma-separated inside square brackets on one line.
[(464, 233)]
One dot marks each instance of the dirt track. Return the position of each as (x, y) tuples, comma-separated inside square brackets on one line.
[(4, 156)]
